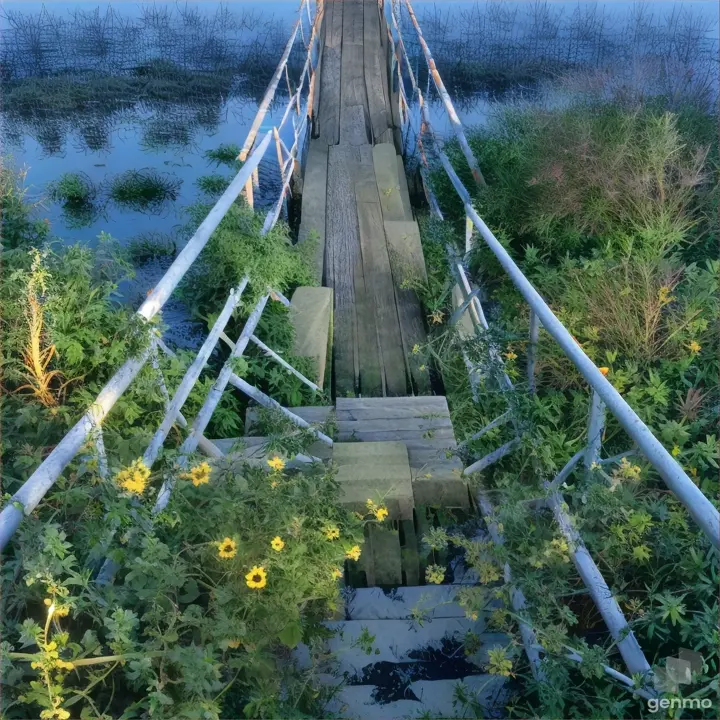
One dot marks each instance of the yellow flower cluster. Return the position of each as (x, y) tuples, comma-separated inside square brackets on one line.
[(332, 532), (227, 548), (256, 578), (379, 511), (435, 574), (694, 347), (277, 543), (134, 478), (353, 553), (276, 463), (510, 355), (200, 474), (56, 713)]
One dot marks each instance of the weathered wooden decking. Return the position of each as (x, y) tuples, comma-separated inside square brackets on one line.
[(355, 197)]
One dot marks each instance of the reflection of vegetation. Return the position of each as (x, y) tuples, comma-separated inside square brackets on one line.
[(492, 47), (170, 70), (72, 189), (152, 246), (144, 190), (225, 154), (213, 184)]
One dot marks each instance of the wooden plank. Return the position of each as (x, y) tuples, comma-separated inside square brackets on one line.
[(311, 317), (343, 252), (376, 265), (408, 268), (352, 22), (401, 414), (404, 190), (354, 128), (354, 123), (329, 110), (420, 425), (406, 436), (386, 176), (377, 101), (369, 363), (435, 401), (314, 202)]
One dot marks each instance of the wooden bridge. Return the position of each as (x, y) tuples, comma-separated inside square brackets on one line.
[(356, 202)]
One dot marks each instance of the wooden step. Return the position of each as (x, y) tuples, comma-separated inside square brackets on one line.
[(312, 218), (395, 643), (311, 311), (401, 603), (404, 190), (313, 414), (388, 181), (423, 698), (376, 471)]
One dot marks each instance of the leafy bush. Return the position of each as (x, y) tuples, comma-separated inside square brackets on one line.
[(144, 190), (18, 227), (608, 210)]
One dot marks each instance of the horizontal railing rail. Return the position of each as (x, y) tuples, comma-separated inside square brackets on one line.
[(604, 395), (89, 426)]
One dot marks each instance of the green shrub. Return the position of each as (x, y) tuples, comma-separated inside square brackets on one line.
[(144, 190), (18, 229)]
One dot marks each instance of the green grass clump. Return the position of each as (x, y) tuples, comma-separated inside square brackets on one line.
[(152, 246), (213, 184), (144, 190), (73, 189), (225, 154)]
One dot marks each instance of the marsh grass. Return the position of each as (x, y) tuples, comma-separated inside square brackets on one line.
[(225, 154), (152, 246), (212, 185), (73, 189), (145, 190)]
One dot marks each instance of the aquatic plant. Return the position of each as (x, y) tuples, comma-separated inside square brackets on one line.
[(213, 184), (226, 154), (152, 246), (146, 190), (73, 189)]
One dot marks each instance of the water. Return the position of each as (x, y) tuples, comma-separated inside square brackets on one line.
[(83, 91)]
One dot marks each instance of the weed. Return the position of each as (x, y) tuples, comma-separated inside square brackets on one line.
[(226, 154), (213, 185), (144, 190)]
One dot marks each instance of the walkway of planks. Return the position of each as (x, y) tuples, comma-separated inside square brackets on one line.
[(355, 198)]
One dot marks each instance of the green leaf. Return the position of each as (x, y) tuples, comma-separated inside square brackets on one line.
[(290, 635), (190, 592)]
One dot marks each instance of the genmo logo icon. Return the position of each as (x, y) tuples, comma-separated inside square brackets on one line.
[(678, 671)]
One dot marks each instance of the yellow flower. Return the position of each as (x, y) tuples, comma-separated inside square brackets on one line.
[(694, 347), (416, 349), (693, 471), (134, 477), (437, 317), (256, 578), (227, 548), (604, 370), (370, 505), (332, 532), (277, 544), (510, 355), (353, 553), (64, 665), (200, 474), (276, 463), (48, 602), (274, 484), (664, 295), (381, 513), (676, 451), (473, 616), (337, 573), (234, 644), (435, 574)]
